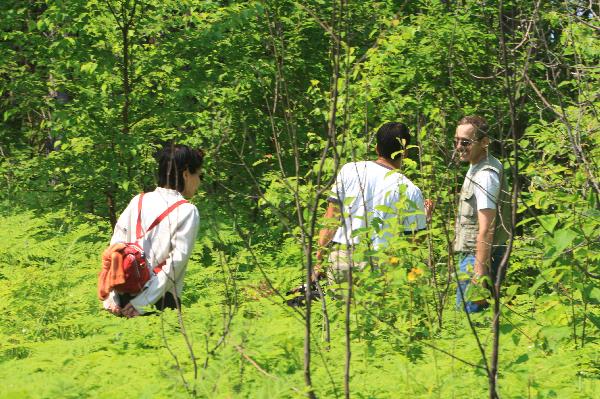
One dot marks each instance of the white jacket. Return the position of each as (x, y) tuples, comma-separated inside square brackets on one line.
[(172, 240)]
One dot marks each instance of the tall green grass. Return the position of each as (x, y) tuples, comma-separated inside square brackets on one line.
[(56, 342)]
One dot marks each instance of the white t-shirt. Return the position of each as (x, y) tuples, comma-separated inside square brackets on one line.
[(486, 186), (172, 240), (360, 187)]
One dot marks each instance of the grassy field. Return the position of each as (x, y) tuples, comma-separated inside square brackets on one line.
[(56, 342)]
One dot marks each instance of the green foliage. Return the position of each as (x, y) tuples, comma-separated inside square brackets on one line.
[(57, 341), (84, 105)]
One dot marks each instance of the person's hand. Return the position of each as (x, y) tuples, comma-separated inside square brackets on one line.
[(319, 255), (429, 206), (114, 309), (318, 273), (321, 252), (479, 283), (129, 311)]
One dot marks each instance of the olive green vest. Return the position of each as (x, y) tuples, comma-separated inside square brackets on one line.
[(467, 226)]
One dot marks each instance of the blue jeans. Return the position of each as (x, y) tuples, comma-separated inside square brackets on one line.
[(466, 262)]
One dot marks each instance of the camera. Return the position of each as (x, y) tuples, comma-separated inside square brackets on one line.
[(300, 295)]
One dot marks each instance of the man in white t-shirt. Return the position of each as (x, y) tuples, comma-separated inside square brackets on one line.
[(480, 230), (368, 192)]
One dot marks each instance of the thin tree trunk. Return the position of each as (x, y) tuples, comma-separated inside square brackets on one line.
[(308, 293), (347, 335), (126, 83), (112, 208), (493, 373)]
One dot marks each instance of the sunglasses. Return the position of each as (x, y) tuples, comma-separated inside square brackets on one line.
[(463, 142)]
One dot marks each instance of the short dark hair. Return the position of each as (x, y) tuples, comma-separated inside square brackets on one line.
[(392, 137), (480, 124), (172, 160)]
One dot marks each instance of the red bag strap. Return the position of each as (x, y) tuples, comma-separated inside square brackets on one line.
[(165, 213), (139, 233), (159, 267), (138, 227)]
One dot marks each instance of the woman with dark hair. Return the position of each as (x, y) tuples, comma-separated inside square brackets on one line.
[(166, 232)]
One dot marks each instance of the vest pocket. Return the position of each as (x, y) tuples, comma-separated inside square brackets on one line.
[(467, 206), (470, 238)]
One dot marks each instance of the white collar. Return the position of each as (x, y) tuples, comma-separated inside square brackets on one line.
[(168, 191)]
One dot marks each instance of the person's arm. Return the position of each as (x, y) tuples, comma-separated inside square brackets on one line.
[(485, 237), (429, 206), (487, 187), (332, 216)]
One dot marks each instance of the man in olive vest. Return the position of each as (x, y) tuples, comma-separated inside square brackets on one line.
[(481, 223)]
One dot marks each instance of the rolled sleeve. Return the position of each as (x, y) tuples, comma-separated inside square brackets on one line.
[(486, 188)]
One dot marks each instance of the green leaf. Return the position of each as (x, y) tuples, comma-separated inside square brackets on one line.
[(396, 153), (391, 172), (592, 294), (506, 328), (540, 280), (522, 359), (262, 160), (88, 67), (511, 291), (410, 164), (359, 231), (385, 209), (562, 240), (348, 201), (594, 319), (376, 223), (548, 222)]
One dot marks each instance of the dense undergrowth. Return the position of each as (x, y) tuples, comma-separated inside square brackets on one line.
[(56, 342), (280, 94)]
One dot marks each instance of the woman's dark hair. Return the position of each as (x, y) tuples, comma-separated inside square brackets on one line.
[(172, 160), (392, 137)]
